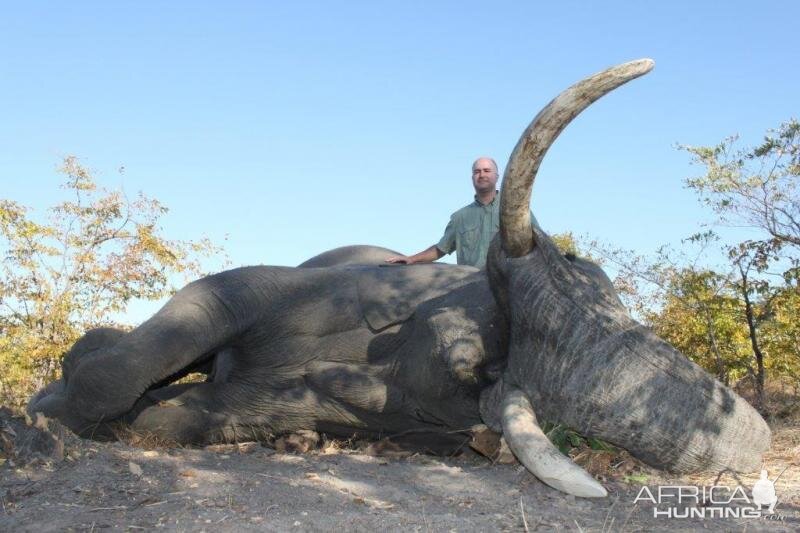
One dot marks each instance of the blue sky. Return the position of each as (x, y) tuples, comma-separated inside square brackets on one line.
[(298, 128)]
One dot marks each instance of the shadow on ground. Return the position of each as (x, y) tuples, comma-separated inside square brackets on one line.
[(249, 487)]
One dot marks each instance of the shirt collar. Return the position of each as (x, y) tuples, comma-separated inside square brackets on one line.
[(479, 204)]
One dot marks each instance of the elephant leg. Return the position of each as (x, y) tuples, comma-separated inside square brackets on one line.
[(91, 343), (359, 386), (209, 412), (190, 413), (196, 323), (363, 389), (50, 402), (339, 399)]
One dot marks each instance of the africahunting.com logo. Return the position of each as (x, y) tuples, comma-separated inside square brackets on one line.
[(717, 501)]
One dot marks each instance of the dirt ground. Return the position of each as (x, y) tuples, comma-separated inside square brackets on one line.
[(69, 484)]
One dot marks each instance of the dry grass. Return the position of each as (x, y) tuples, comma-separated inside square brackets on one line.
[(781, 398), (144, 440), (616, 465), (783, 456)]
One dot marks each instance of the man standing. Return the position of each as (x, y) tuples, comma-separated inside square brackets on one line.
[(472, 227)]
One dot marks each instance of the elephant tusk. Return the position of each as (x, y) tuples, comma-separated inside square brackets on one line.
[(537, 453), (515, 198)]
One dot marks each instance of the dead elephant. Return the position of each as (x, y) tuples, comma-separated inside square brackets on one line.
[(345, 347)]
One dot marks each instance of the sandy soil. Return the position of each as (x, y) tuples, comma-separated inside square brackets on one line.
[(71, 484)]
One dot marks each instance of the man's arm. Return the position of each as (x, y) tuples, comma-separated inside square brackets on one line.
[(445, 245), (427, 255)]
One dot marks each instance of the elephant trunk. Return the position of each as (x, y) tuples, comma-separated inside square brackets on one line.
[(634, 390), (638, 393)]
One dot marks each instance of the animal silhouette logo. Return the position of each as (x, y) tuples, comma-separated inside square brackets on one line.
[(764, 491)]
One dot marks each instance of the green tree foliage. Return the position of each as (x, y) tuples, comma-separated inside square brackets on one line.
[(76, 269), (739, 319), (756, 186), (781, 335), (759, 187), (701, 317), (566, 242)]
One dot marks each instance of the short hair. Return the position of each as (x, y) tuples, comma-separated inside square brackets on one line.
[(496, 168)]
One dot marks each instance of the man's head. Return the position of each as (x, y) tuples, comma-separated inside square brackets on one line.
[(484, 175)]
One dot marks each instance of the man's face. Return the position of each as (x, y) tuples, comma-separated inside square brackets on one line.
[(484, 175)]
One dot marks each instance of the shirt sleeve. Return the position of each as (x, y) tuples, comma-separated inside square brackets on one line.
[(448, 241)]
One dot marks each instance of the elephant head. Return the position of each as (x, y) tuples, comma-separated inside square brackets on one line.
[(576, 356)]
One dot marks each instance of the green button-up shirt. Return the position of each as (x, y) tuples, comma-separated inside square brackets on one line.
[(470, 232)]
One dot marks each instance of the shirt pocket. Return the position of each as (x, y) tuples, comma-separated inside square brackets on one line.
[(469, 235)]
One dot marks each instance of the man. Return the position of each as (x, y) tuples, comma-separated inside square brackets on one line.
[(472, 227)]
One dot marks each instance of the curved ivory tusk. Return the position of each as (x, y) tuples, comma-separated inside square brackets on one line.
[(515, 198), (537, 453)]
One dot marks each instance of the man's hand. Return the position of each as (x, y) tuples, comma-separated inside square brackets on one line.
[(425, 256), (400, 259)]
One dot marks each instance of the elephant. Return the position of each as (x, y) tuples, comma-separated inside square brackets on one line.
[(346, 345)]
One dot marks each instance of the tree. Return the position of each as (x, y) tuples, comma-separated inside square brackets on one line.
[(731, 321), (691, 306), (758, 187), (699, 318), (739, 319), (78, 269)]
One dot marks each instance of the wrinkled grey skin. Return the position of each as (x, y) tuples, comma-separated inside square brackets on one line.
[(345, 345), (340, 348)]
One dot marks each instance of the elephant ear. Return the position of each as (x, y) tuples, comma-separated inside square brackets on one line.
[(390, 294)]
